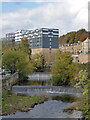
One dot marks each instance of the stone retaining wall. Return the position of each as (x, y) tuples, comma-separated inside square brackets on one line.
[(7, 83)]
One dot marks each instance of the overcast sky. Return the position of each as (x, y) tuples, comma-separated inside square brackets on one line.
[(66, 15)]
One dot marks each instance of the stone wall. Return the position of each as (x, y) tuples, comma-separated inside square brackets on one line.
[(7, 83), (49, 57), (84, 58)]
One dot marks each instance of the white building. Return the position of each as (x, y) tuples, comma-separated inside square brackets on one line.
[(20, 34)]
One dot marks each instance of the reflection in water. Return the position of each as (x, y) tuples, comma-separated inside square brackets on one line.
[(65, 98)]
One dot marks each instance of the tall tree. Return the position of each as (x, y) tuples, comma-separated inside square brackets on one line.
[(64, 69), (25, 46), (83, 83), (39, 62), (17, 60)]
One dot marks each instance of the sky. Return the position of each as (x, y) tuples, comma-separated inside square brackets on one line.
[(66, 15)]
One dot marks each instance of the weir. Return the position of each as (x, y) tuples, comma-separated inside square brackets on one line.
[(45, 90), (40, 76)]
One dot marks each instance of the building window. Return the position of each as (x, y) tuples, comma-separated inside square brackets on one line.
[(50, 39)]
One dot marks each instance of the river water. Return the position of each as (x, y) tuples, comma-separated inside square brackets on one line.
[(53, 108)]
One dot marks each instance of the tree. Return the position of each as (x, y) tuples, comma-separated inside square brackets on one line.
[(39, 62), (82, 81), (64, 69), (74, 37), (23, 64), (9, 59), (17, 60), (25, 46)]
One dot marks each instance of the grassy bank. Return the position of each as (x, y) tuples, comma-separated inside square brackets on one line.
[(12, 103)]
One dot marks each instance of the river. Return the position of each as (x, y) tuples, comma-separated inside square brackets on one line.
[(60, 97), (53, 108)]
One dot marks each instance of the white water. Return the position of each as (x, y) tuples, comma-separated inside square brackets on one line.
[(48, 90)]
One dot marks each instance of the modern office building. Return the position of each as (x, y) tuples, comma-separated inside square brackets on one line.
[(20, 34), (10, 37), (43, 39)]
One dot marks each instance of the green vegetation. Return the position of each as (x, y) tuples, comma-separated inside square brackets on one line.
[(84, 105), (16, 60), (0, 53), (65, 72), (7, 45), (12, 103), (0, 62), (74, 37), (64, 69), (25, 47), (39, 63)]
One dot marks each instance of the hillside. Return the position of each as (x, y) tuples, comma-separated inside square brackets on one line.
[(74, 37)]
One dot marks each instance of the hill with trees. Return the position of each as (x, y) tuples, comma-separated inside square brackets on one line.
[(73, 37)]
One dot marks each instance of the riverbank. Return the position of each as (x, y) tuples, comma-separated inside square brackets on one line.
[(53, 108), (12, 103)]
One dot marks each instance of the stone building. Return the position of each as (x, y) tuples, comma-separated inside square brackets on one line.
[(75, 48), (80, 51)]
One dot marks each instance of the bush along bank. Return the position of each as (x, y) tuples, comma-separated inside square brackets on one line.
[(82, 103), (12, 103)]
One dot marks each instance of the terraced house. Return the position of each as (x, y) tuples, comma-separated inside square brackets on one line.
[(80, 51)]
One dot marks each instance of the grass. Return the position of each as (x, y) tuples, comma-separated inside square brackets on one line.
[(12, 103)]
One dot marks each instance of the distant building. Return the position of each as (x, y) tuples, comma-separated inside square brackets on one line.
[(3, 40), (19, 35), (80, 51), (86, 46), (75, 48), (43, 39), (10, 37)]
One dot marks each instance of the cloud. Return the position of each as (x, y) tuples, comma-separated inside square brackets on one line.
[(31, 0), (67, 15)]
